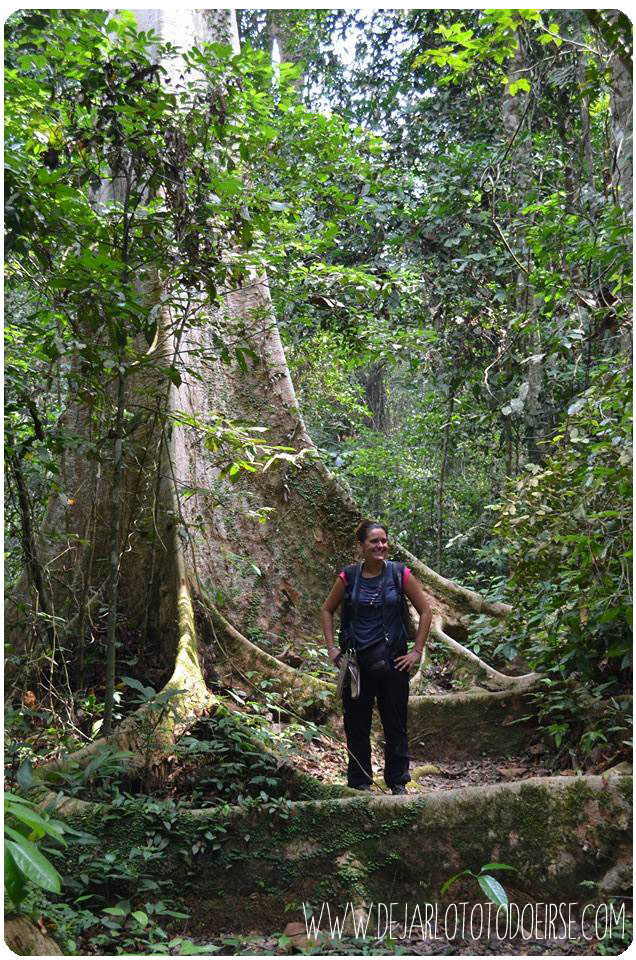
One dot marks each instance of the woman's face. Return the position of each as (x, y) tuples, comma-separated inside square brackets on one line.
[(376, 544)]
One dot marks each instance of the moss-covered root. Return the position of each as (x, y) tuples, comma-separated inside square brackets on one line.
[(301, 691), (555, 831), (462, 726)]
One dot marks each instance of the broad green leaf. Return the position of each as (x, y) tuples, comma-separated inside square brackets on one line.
[(34, 864), (493, 890), (608, 615), (619, 648), (190, 949), (32, 819), (14, 798), (136, 685), (13, 878)]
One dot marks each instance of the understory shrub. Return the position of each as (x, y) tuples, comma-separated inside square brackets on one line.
[(566, 526)]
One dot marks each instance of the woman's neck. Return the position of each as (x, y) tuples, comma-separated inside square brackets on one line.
[(372, 567)]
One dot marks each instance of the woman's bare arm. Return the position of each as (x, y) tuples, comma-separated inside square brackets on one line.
[(329, 607), (416, 595)]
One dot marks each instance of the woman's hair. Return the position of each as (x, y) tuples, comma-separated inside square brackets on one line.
[(362, 530)]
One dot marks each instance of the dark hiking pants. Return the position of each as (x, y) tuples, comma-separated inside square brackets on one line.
[(392, 694)]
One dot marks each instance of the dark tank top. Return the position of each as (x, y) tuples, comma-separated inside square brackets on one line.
[(369, 624)]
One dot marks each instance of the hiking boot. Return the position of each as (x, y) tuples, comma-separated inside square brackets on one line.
[(363, 786), (399, 790)]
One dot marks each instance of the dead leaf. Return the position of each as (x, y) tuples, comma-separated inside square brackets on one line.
[(29, 699), (297, 933), (512, 773)]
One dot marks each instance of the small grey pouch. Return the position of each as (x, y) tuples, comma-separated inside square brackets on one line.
[(354, 674), (349, 668)]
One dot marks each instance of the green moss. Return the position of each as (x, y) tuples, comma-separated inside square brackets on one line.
[(463, 725), (626, 788), (556, 834)]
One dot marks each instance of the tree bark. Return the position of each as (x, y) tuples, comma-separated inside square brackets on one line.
[(375, 395), (586, 139), (34, 568), (622, 133), (442, 479), (516, 119), (24, 939), (113, 579)]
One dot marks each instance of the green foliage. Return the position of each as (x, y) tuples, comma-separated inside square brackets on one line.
[(566, 526), (123, 930), (494, 42), (24, 862), (127, 187), (403, 237), (95, 780), (617, 942), (114, 905), (224, 764), (462, 206)]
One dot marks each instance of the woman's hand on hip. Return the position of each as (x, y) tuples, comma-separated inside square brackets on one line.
[(407, 660)]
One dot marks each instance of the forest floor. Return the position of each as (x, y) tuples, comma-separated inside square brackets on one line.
[(418, 947), (324, 758), (199, 780)]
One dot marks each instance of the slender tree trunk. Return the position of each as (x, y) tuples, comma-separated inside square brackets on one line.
[(586, 139), (86, 584), (285, 41), (375, 395), (442, 479), (34, 566), (516, 117), (508, 435), (622, 132), (113, 582)]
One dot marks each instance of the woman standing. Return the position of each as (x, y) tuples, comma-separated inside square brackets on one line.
[(373, 627)]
